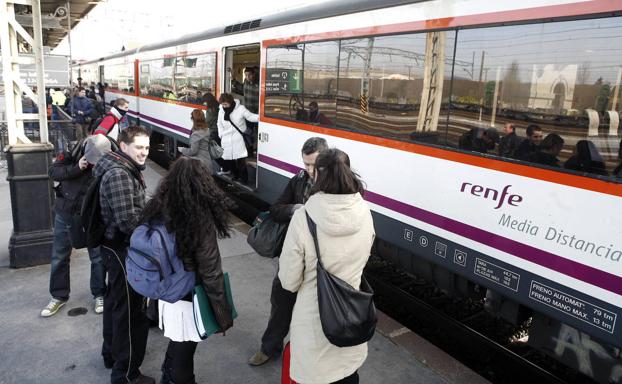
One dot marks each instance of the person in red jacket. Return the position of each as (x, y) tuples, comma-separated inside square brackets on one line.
[(109, 126)]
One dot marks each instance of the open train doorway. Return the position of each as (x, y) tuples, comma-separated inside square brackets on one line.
[(241, 72)]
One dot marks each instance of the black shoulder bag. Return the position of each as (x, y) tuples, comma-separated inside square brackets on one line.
[(266, 236), (348, 316), (248, 139)]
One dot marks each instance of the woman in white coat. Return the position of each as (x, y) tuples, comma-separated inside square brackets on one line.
[(345, 233), (231, 115)]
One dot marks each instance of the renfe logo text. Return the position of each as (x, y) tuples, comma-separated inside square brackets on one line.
[(492, 194)]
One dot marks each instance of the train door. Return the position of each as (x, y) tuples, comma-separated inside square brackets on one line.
[(236, 61)]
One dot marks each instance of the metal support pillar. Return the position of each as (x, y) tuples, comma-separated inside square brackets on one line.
[(366, 78), (434, 75), (30, 187)]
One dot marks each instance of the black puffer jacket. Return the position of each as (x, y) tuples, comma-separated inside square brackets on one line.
[(296, 192)]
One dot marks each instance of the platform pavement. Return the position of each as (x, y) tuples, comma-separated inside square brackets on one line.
[(66, 349)]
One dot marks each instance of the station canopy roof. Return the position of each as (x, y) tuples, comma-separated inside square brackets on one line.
[(54, 18)]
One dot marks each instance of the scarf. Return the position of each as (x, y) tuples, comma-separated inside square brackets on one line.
[(131, 163), (228, 111)]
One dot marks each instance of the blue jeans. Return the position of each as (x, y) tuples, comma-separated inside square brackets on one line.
[(59, 273)]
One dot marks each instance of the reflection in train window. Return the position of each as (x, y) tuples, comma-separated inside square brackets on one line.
[(120, 77), (284, 81), (185, 78), (388, 88), (320, 84), (561, 76)]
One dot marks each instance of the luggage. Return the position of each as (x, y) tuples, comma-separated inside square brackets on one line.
[(285, 379)]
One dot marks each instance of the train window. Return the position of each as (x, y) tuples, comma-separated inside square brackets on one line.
[(195, 76), (185, 78), (120, 77), (382, 84), (284, 81), (89, 75), (318, 104), (563, 77), (156, 78)]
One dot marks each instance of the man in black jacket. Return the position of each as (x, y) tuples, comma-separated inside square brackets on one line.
[(72, 170), (529, 146), (510, 142), (122, 199), (294, 196)]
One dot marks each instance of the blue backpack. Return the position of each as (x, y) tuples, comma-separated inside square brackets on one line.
[(152, 267)]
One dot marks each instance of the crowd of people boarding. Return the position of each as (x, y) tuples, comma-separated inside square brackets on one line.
[(108, 161)]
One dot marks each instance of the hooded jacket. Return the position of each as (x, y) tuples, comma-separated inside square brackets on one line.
[(121, 195), (345, 236)]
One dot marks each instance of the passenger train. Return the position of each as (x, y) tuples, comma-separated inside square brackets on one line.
[(399, 85)]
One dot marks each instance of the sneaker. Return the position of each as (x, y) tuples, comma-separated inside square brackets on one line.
[(258, 358), (142, 379), (52, 307), (99, 305)]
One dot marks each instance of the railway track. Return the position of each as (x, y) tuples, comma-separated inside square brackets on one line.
[(472, 347)]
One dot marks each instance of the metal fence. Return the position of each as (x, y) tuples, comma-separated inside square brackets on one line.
[(61, 134)]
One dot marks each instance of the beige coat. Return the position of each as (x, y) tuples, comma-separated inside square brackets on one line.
[(345, 235)]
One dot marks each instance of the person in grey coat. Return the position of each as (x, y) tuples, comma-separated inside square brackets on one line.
[(199, 139)]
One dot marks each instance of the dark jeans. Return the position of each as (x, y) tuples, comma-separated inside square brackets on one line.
[(59, 272), (352, 379), (237, 168), (252, 128), (280, 316), (125, 326), (81, 130), (178, 366)]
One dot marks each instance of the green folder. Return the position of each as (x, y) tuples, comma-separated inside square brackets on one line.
[(204, 318)]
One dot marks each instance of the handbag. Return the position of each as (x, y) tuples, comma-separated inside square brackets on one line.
[(248, 139), (204, 319), (348, 315), (215, 150), (266, 236)]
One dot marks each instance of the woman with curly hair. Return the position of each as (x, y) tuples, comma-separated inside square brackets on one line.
[(192, 207)]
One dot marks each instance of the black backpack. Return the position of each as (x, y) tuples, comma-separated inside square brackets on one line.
[(92, 222)]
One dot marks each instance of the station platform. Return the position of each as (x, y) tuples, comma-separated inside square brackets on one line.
[(66, 349)]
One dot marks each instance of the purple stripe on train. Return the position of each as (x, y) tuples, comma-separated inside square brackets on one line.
[(161, 122), (579, 271)]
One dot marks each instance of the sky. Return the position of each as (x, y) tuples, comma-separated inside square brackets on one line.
[(113, 24)]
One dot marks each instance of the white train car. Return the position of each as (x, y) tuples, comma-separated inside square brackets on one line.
[(407, 89)]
